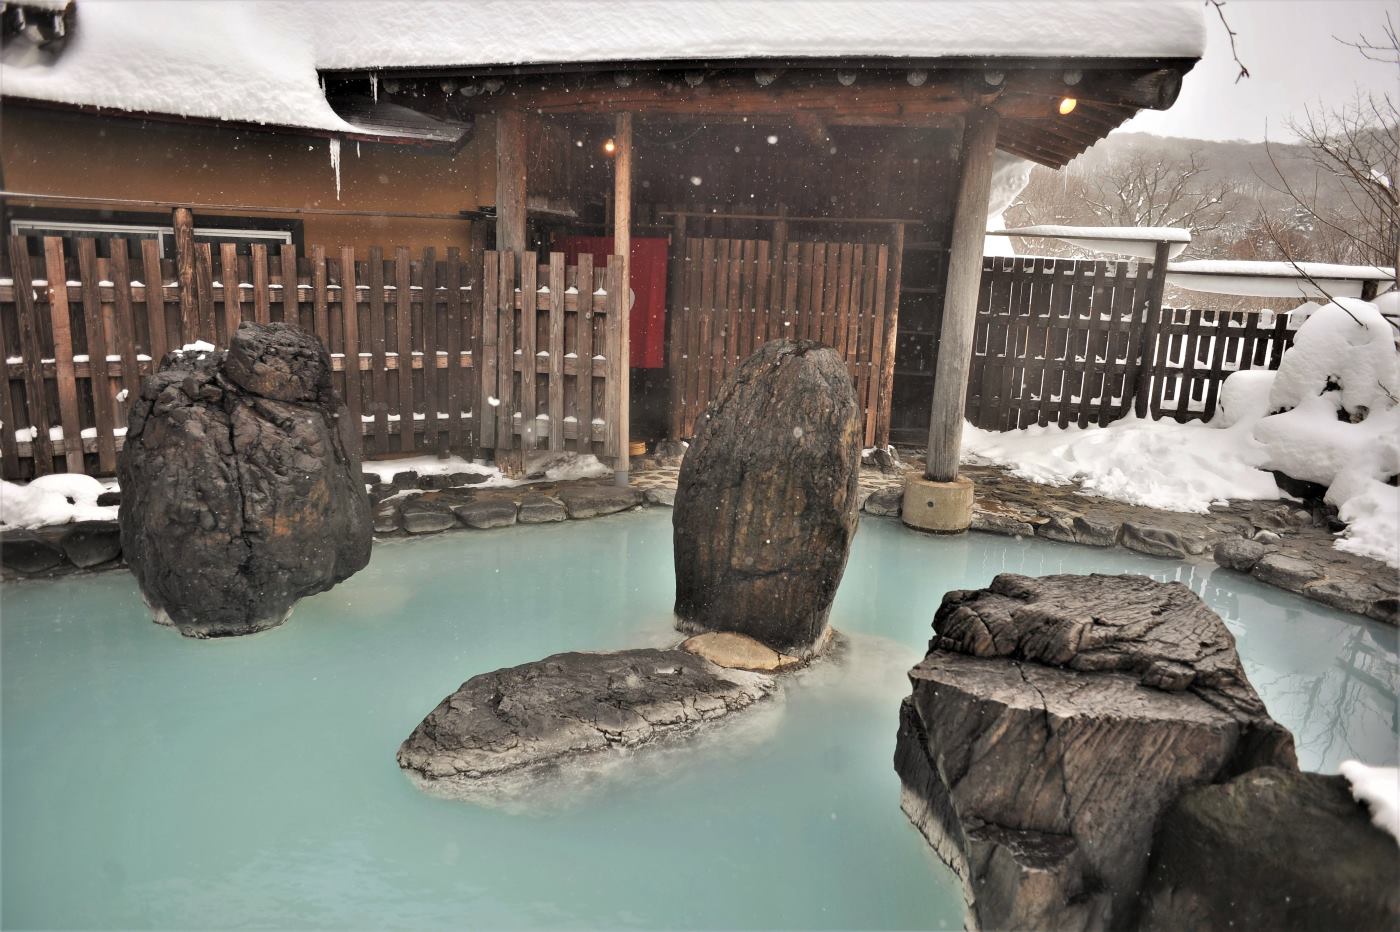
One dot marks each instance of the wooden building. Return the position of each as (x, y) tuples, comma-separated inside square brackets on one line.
[(798, 169)]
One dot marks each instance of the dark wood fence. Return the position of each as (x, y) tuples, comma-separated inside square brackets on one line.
[(728, 297), (475, 355), (1063, 341)]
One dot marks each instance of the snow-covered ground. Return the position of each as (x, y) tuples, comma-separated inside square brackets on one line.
[(1330, 415), (57, 499), (1379, 789), (556, 467)]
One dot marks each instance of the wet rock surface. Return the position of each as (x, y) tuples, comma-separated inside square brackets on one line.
[(91, 543), (1272, 849), (241, 484), (28, 553), (533, 718), (1050, 725), (766, 502), (592, 501)]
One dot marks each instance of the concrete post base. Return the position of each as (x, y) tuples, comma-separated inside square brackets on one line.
[(938, 507)]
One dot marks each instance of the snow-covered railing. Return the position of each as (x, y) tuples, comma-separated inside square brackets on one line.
[(1305, 280), (1140, 242)]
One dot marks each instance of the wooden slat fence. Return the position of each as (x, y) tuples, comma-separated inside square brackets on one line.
[(731, 296), (78, 340), (1061, 341)]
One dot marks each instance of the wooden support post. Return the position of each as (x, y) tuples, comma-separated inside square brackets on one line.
[(1150, 323), (182, 219), (960, 300), (622, 246), (885, 390), (510, 182)]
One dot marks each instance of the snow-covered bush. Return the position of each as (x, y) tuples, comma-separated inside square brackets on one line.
[(54, 499), (1333, 417)]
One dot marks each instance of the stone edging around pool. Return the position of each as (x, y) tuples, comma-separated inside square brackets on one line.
[(1278, 544)]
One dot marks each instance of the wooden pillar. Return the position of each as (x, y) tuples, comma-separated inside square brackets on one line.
[(960, 299), (182, 219), (622, 246), (1151, 324), (510, 182)]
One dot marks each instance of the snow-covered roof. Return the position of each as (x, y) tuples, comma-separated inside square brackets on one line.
[(258, 61)]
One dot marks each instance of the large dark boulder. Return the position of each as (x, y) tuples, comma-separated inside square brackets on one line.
[(241, 484), (766, 503), (518, 724), (1051, 724), (1272, 849)]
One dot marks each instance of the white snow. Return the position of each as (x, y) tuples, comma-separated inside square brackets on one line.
[(1010, 175), (1337, 366), (1275, 279), (556, 467), (1124, 241), (198, 346), (54, 499), (1379, 789), (1160, 464)]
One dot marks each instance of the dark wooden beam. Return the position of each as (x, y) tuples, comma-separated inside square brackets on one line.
[(510, 182), (622, 246)]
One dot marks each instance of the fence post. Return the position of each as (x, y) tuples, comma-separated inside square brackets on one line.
[(182, 219), (1147, 341)]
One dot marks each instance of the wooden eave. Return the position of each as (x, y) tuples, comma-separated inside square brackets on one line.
[(881, 92)]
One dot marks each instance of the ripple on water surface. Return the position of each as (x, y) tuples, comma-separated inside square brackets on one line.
[(151, 780)]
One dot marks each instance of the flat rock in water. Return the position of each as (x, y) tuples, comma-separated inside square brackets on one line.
[(426, 517), (91, 543), (739, 652), (542, 509), (662, 496), (1050, 725), (486, 514), (241, 483), (592, 501), (539, 716), (1239, 553), (27, 552), (1272, 849), (1285, 572), (767, 497), (887, 503)]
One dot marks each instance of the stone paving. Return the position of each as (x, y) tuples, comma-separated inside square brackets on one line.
[(1280, 543)]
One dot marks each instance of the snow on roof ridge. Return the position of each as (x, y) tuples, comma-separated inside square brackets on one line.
[(1129, 234), (257, 61)]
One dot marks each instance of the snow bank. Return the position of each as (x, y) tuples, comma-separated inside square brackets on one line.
[(1379, 789), (1160, 464), (1337, 394), (1330, 415), (555, 467), (258, 62), (56, 499)]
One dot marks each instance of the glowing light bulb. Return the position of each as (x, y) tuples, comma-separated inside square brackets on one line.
[(1067, 105), (610, 147)]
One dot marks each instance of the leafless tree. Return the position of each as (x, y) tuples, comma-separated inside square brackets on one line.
[(1358, 146)]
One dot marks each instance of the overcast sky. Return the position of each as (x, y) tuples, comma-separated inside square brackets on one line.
[(1293, 61)]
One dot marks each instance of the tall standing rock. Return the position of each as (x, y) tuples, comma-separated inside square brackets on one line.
[(766, 504), (241, 484)]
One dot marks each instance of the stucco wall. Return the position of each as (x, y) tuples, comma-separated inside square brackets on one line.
[(54, 152)]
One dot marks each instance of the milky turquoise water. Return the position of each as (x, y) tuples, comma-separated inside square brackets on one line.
[(150, 780)]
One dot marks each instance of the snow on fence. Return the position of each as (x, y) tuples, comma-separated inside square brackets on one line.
[(1062, 341), (491, 353)]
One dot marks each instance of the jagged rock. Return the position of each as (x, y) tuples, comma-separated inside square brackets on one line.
[(405, 480), (884, 459), (541, 509), (241, 484), (1154, 541), (662, 496), (886, 503), (1272, 849), (528, 719), (1239, 553), (739, 652), (670, 452), (426, 516), (592, 501), (90, 543), (1267, 537), (1057, 528), (766, 502), (1052, 722), (1286, 572), (27, 552), (486, 514)]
